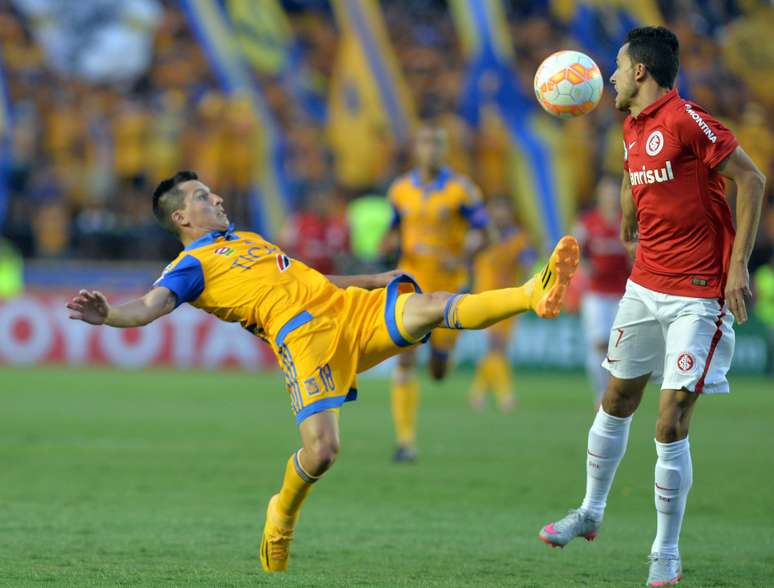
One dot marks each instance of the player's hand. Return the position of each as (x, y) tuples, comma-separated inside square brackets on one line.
[(89, 307), (738, 291)]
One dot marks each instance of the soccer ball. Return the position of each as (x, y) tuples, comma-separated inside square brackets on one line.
[(568, 84)]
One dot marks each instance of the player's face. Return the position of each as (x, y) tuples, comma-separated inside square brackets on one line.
[(430, 148), (623, 79), (202, 208)]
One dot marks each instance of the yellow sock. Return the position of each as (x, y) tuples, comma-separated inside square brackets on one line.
[(502, 383), (405, 403), (478, 311), (295, 488)]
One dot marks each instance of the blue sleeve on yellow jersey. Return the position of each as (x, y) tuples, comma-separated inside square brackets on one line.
[(475, 214), (185, 280), (395, 222)]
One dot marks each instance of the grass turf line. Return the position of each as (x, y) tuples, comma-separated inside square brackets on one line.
[(161, 479)]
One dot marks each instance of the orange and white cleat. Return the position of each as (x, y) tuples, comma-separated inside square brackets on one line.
[(550, 285)]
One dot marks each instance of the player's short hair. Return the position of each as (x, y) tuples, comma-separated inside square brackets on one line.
[(168, 197), (658, 49)]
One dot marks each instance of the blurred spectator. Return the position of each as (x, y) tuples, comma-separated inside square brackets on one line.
[(317, 234), (90, 142)]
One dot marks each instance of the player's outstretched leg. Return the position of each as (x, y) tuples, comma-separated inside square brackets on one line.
[(320, 436), (543, 293)]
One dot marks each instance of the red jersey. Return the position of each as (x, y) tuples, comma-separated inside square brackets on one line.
[(608, 262), (686, 232)]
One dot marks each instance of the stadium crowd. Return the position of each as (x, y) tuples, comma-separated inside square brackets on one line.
[(85, 155)]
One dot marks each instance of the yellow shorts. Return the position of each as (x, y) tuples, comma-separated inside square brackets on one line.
[(322, 355)]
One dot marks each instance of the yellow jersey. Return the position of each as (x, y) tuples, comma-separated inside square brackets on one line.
[(322, 335), (238, 276), (433, 220)]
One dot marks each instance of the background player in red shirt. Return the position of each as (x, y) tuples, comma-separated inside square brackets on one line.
[(606, 266), (673, 323)]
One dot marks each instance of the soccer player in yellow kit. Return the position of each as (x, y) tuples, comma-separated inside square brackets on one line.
[(504, 261), (323, 330), (439, 223)]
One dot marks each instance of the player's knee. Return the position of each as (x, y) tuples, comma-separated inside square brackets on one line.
[(668, 429), (324, 452), (623, 396)]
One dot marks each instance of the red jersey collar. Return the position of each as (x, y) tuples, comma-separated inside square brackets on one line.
[(653, 107)]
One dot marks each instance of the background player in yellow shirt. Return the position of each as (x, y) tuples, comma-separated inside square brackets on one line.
[(439, 223), (505, 260), (323, 330)]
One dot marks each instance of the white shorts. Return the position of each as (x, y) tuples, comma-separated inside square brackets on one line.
[(598, 313), (685, 342)]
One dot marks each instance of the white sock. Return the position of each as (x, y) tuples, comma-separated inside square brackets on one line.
[(607, 445), (598, 375), (674, 476)]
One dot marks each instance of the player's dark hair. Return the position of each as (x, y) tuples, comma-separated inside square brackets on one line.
[(168, 197), (658, 49)]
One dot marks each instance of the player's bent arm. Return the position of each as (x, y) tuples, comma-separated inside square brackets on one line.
[(93, 308), (365, 281), (629, 232), (750, 183)]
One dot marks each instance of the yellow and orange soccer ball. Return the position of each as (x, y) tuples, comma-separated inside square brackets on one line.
[(568, 84)]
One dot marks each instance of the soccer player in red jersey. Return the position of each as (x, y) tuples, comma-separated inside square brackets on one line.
[(606, 264), (689, 277)]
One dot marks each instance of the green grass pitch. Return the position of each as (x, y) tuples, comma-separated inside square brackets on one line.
[(161, 479)]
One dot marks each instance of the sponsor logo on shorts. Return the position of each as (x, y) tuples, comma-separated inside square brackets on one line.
[(655, 143), (685, 362)]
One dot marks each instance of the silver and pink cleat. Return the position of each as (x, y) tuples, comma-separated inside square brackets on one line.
[(576, 524), (665, 570)]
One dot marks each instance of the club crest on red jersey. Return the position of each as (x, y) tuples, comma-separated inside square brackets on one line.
[(655, 143)]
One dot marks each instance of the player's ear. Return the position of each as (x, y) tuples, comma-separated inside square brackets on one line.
[(640, 72), (178, 217)]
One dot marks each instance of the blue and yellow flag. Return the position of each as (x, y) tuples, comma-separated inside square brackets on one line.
[(541, 186), (263, 33), (369, 106), (212, 27)]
